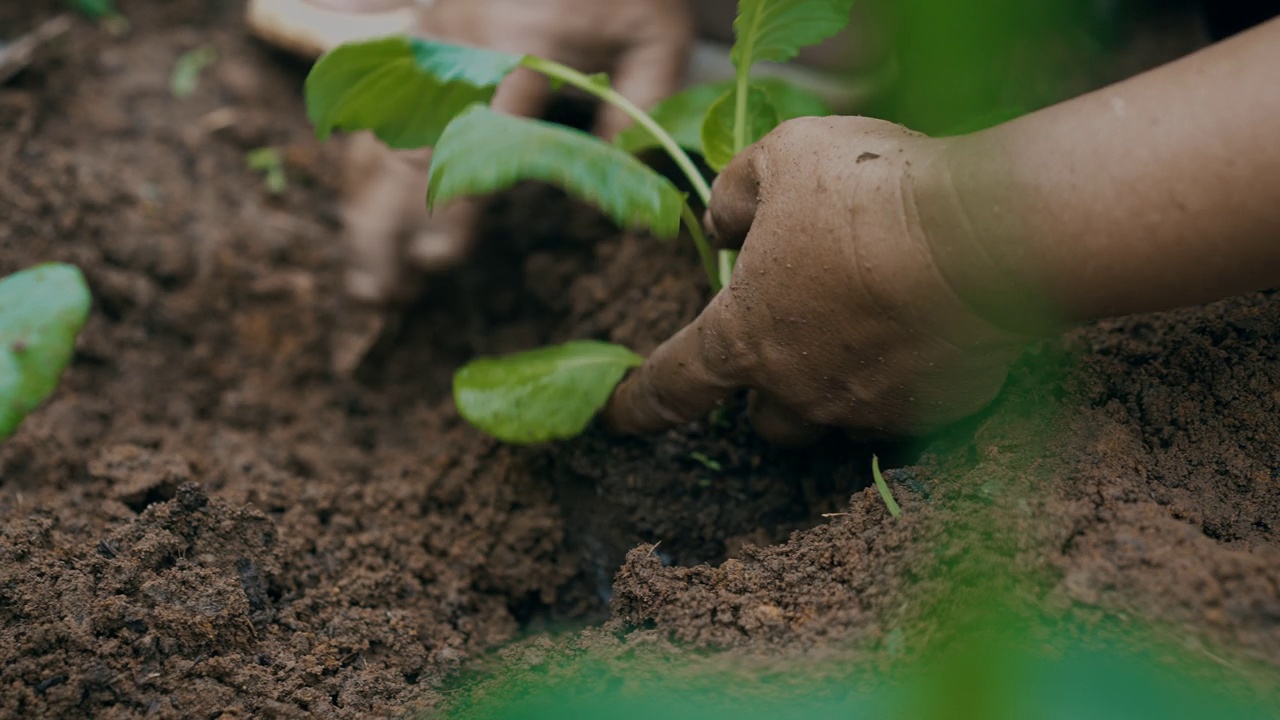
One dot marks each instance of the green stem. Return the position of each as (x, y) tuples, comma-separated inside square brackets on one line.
[(569, 76), (704, 248), (740, 111), (743, 67), (883, 487)]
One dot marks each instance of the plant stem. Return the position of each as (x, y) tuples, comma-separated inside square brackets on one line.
[(569, 76), (740, 111), (704, 249), (883, 487), (742, 63)]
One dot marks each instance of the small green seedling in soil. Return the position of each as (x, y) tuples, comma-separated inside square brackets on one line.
[(883, 487), (269, 162), (707, 462), (415, 93), (186, 71), (41, 311)]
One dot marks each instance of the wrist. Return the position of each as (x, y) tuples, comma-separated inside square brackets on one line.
[(970, 218)]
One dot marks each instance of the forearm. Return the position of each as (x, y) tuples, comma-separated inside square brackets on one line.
[(1157, 192)]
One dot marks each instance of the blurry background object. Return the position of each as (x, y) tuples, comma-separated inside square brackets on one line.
[(17, 53)]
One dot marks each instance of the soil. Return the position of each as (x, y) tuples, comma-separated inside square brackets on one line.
[(208, 520)]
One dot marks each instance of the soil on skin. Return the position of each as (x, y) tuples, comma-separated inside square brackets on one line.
[(208, 521)]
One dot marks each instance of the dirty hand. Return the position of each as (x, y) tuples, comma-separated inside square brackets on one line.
[(838, 313), (643, 45)]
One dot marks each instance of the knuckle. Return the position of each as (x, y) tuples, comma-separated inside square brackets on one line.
[(725, 341)]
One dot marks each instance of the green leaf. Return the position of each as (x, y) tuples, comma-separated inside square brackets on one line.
[(792, 101), (682, 114), (41, 310), (186, 71), (717, 130), (775, 30), (546, 394), (406, 90), (484, 151), (269, 162)]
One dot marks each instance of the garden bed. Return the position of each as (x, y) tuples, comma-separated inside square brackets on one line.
[(207, 520)]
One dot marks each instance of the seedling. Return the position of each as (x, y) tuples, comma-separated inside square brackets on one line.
[(186, 71), (269, 162), (707, 461), (41, 311), (883, 487), (416, 93)]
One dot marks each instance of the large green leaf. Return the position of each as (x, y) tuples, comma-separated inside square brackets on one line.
[(775, 30), (717, 131), (41, 310), (405, 90), (682, 114), (483, 151), (546, 394)]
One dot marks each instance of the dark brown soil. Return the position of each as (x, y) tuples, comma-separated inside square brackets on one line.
[(1136, 466), (208, 521)]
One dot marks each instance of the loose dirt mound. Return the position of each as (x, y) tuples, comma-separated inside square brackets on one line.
[(1141, 459)]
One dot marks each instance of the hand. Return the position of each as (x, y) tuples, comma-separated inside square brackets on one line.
[(838, 313), (642, 44)]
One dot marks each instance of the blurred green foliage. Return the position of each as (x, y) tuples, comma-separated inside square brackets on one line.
[(963, 66), (997, 663), (94, 9)]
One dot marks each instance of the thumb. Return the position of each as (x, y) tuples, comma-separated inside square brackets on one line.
[(686, 377), (735, 196)]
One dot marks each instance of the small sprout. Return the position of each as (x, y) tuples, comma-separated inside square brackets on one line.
[(883, 487), (269, 162), (708, 463), (186, 71), (414, 93)]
